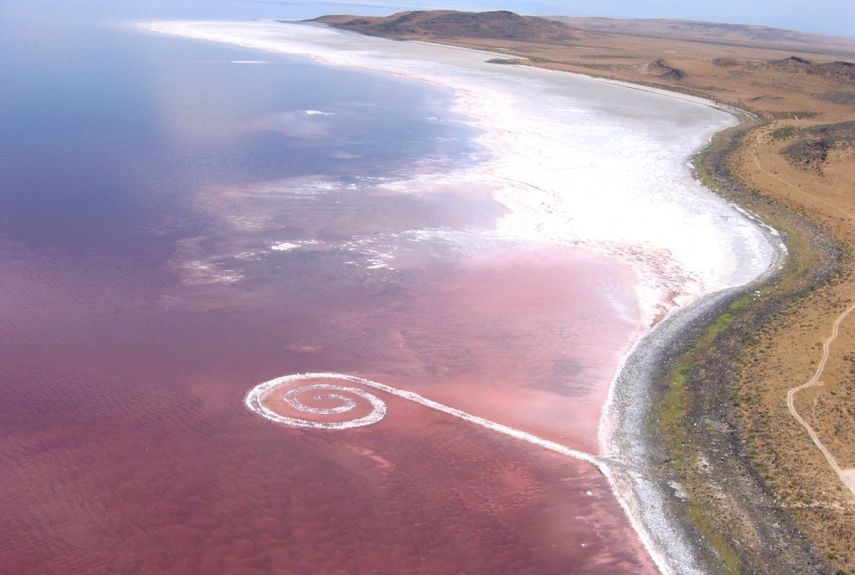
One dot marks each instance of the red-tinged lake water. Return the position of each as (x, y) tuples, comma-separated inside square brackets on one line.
[(177, 226)]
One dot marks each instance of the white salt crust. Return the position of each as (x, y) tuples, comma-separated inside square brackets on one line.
[(575, 160)]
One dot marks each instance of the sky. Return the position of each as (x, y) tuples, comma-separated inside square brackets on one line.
[(831, 17)]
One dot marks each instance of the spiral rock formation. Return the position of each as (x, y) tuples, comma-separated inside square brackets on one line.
[(334, 392), (344, 396)]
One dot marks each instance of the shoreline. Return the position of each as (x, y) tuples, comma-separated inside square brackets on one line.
[(636, 391), (750, 530), (624, 414), (643, 459)]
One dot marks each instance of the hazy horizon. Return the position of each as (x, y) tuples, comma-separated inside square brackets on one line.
[(833, 17)]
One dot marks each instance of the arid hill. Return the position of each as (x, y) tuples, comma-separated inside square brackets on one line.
[(444, 24), (843, 72)]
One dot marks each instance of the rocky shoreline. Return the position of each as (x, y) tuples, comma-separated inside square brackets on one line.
[(698, 478), (643, 469)]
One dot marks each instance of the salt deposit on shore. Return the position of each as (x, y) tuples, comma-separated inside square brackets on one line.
[(575, 161)]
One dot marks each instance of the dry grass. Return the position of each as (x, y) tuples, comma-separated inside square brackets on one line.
[(788, 349)]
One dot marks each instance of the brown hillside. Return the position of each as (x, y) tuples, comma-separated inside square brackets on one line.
[(499, 25)]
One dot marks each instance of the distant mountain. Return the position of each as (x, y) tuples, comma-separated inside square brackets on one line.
[(450, 25), (444, 24), (713, 32)]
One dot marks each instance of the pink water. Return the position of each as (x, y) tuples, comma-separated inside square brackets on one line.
[(125, 444)]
